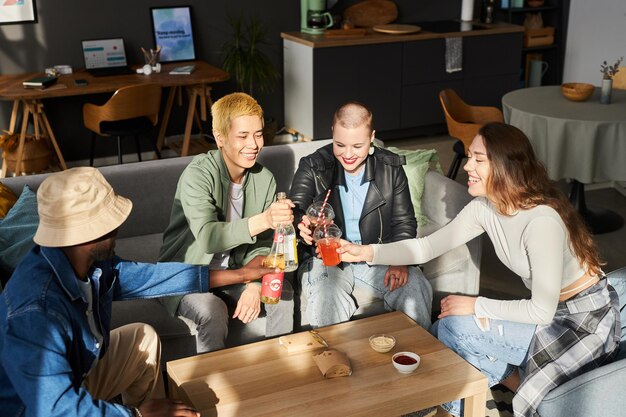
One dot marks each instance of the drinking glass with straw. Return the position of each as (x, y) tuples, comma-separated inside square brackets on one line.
[(327, 237)]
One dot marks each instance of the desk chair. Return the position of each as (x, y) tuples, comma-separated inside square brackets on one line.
[(131, 111), (463, 123), (619, 79)]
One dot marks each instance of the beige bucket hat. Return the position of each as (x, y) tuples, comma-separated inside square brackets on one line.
[(77, 206)]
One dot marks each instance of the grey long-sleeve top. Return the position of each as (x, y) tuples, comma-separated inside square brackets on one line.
[(533, 243)]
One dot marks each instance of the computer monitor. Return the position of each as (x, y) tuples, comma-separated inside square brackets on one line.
[(104, 53)]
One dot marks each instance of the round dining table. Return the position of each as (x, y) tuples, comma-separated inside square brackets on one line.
[(582, 141)]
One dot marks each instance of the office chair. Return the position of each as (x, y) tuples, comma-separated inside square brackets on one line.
[(463, 123), (131, 111)]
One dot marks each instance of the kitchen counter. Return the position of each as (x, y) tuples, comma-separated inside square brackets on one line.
[(399, 77), (372, 37)]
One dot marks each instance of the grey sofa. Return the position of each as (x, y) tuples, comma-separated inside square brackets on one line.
[(151, 186), (599, 392)]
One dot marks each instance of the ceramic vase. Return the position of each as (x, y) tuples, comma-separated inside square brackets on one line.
[(605, 91)]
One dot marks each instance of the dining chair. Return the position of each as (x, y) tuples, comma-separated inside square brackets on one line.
[(463, 121), (131, 111), (619, 79)]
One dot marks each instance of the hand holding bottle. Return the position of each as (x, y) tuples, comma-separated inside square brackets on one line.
[(279, 212), (255, 269)]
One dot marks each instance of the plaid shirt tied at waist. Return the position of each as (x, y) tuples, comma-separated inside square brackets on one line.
[(584, 334)]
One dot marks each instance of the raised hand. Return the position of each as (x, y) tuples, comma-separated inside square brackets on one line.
[(355, 253)]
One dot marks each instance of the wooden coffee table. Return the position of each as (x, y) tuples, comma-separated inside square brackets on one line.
[(262, 379)]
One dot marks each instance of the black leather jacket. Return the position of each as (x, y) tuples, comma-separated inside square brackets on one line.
[(387, 215)]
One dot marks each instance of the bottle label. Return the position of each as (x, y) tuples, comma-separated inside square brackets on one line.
[(272, 285), (279, 238)]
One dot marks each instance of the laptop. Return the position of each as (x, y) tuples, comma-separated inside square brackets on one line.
[(105, 57)]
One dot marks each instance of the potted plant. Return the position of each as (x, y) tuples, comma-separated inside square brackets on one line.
[(248, 64), (608, 72)]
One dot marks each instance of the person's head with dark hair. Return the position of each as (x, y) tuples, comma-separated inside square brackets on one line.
[(353, 135), (503, 167)]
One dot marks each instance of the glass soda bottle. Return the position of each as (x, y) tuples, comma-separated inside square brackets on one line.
[(290, 242), (272, 284)]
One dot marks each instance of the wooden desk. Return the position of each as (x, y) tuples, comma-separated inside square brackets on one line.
[(262, 379), (30, 100)]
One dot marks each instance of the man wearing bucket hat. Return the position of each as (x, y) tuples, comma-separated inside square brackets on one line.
[(58, 356)]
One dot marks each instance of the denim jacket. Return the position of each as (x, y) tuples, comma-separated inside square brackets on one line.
[(46, 346)]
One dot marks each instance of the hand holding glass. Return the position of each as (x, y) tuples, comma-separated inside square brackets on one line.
[(314, 213), (327, 238)]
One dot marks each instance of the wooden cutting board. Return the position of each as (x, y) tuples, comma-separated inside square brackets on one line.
[(370, 13), (397, 29)]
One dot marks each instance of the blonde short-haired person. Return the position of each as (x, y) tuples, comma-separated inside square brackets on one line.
[(370, 196), (223, 215), (571, 321), (58, 355)]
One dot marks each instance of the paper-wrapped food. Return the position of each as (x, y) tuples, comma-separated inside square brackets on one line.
[(333, 363), (302, 342)]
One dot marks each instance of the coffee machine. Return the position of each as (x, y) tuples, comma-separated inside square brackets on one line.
[(314, 18)]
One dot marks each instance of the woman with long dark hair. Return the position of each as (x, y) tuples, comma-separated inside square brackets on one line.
[(569, 324)]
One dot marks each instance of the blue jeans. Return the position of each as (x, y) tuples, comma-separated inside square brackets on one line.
[(495, 352), (210, 313), (328, 290)]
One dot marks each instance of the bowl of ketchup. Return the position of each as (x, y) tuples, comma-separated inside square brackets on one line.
[(405, 362)]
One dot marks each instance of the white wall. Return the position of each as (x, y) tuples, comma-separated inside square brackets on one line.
[(596, 33)]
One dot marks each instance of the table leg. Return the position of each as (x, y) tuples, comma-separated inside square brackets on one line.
[(474, 406), (166, 116), (598, 219), (48, 129), (14, 113), (20, 147), (188, 125)]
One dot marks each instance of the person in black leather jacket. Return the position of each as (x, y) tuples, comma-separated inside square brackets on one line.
[(372, 204)]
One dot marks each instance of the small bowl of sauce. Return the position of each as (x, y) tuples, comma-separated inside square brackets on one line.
[(382, 342), (405, 362)]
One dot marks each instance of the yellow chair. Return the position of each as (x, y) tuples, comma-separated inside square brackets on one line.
[(619, 79), (131, 111), (463, 123)]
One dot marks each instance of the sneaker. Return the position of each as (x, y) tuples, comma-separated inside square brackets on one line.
[(427, 412)]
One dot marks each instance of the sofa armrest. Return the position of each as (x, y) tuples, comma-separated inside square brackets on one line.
[(596, 393)]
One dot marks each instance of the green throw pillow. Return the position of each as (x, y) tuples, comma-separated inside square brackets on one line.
[(417, 164), (17, 230)]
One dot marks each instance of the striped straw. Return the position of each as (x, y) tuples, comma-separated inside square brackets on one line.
[(322, 213)]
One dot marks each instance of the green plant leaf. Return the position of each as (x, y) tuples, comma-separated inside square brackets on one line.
[(244, 58)]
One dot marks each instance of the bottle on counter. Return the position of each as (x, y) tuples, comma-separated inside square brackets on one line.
[(487, 11)]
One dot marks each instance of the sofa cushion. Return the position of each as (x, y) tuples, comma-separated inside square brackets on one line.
[(17, 229), (418, 162)]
